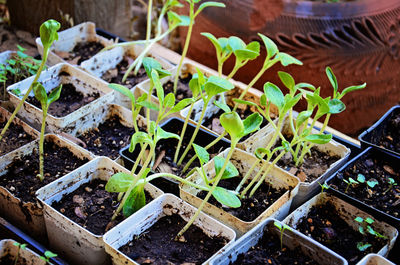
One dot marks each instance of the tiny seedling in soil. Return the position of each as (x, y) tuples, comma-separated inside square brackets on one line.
[(349, 182), (20, 246), (371, 183), (282, 228), (391, 183), (47, 255), (365, 226)]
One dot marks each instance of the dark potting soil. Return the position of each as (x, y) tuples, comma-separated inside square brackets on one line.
[(115, 75), (157, 245), (314, 164), (391, 139), (382, 196), (92, 207), (69, 101), (10, 260), (21, 179), (268, 251), (324, 224), (182, 91), (81, 52), (108, 138), (14, 138), (252, 207)]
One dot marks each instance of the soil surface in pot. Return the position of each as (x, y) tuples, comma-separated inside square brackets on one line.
[(92, 207), (391, 138), (252, 207), (314, 164), (69, 101), (268, 251), (14, 138), (21, 179), (10, 260), (81, 52), (157, 245), (324, 224), (383, 196), (182, 91), (108, 138), (116, 74)]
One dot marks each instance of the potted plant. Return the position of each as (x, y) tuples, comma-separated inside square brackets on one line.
[(329, 220), (273, 242), (12, 252), (78, 210)]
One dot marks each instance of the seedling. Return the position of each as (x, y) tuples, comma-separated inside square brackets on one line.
[(282, 228), (324, 187), (370, 183), (349, 182), (45, 101), (48, 34), (391, 183), (47, 255), (365, 226), (20, 246)]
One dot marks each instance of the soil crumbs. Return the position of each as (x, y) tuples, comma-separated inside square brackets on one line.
[(81, 52), (21, 179), (157, 245), (69, 101), (10, 260), (268, 251), (383, 196), (182, 90), (391, 140), (324, 224), (252, 207), (108, 138), (14, 138), (115, 75)]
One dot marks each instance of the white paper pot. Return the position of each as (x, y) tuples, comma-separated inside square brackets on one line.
[(5, 115), (31, 258), (67, 39), (27, 215), (348, 213), (243, 161), (291, 239), (374, 259), (309, 189), (74, 242), (53, 77), (143, 219)]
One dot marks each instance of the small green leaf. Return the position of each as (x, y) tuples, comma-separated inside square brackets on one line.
[(138, 138), (260, 151), (201, 153), (363, 247), (169, 100), (274, 94), (252, 123), (40, 93), (236, 43), (263, 100), (230, 170), (332, 79), (208, 4), (287, 80), (241, 101), (287, 59), (222, 105), (361, 178), (149, 105), (336, 106), (162, 134), (216, 85), (157, 84), (318, 138), (352, 88), (359, 219), (48, 32), (372, 183), (49, 254), (271, 47), (232, 124), (150, 63), (123, 90), (119, 182), (54, 95), (226, 197), (303, 117), (181, 105), (214, 41), (135, 201), (361, 230)]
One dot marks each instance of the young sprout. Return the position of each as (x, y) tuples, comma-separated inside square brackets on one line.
[(20, 246), (391, 183), (47, 256), (282, 228), (324, 187), (349, 182), (365, 226), (45, 101), (370, 183), (48, 34)]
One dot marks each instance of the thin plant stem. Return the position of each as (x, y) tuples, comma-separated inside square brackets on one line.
[(182, 180), (148, 29), (41, 144), (183, 132)]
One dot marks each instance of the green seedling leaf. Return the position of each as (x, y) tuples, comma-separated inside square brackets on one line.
[(332, 79), (278, 225), (150, 63), (222, 105), (336, 106), (361, 178), (271, 47), (201, 153), (372, 183), (303, 117), (318, 138), (232, 124), (208, 4), (40, 93), (162, 134), (216, 85), (286, 145), (263, 100), (230, 170), (135, 201), (54, 95), (138, 138), (149, 105), (274, 95), (48, 254), (48, 32), (361, 230), (157, 84), (241, 101), (287, 59), (214, 41), (119, 182), (169, 100), (195, 84), (236, 43), (363, 247), (185, 21), (251, 51), (371, 230), (226, 197), (124, 90), (181, 105), (359, 219), (287, 80), (290, 101), (352, 88), (252, 123), (260, 151)]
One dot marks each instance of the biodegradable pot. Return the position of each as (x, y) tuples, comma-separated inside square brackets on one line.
[(374, 259), (309, 189), (348, 212), (291, 239), (28, 215), (278, 178), (378, 132), (67, 39), (72, 241), (143, 219), (53, 77), (5, 115), (252, 95), (26, 255), (387, 160)]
